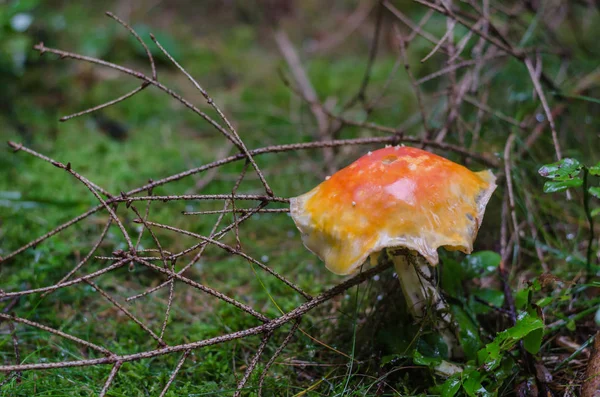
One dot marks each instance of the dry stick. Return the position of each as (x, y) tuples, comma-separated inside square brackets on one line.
[(201, 246), (174, 374), (65, 54), (53, 287), (499, 115), (375, 101), (202, 288), (8, 378), (438, 45), (478, 49), (131, 93), (360, 96), (416, 89), (139, 39), (501, 43), (282, 346), (449, 13), (270, 326), (210, 175), (187, 197), (408, 22), (239, 210), (146, 214), (19, 147), (237, 139), (237, 184), (91, 186), (399, 136), (462, 44), (106, 104), (264, 150), (509, 184), (85, 259), (234, 251), (457, 66), (169, 303), (15, 340), (538, 88), (62, 334), (584, 84), (111, 377), (252, 365), (145, 226), (344, 30), (171, 283), (127, 313), (51, 233), (534, 232), (324, 129)]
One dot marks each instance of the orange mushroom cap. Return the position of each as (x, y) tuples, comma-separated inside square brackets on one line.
[(392, 197)]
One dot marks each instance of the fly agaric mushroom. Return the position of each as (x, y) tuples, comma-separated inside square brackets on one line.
[(405, 200)]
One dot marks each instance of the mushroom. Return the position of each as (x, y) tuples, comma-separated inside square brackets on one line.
[(406, 201)]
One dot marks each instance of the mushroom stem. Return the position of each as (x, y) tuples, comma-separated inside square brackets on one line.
[(415, 278)]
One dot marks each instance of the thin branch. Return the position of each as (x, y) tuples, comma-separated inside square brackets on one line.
[(234, 251), (279, 350), (62, 334), (239, 210), (53, 287), (261, 329), (127, 312), (234, 138), (252, 365), (111, 377), (91, 186), (174, 373), (85, 259), (202, 288), (201, 246), (15, 341)]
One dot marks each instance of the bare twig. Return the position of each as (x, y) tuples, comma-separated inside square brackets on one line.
[(269, 326), (293, 60), (111, 377), (276, 354), (174, 373), (252, 365)]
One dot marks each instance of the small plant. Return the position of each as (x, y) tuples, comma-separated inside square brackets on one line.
[(570, 173)]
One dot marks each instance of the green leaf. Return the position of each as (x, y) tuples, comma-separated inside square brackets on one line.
[(493, 296), (432, 345), (564, 169), (472, 385), (430, 362), (595, 211), (595, 191), (561, 185), (480, 263), (544, 301), (533, 340), (468, 334), (452, 277), (527, 324), (595, 169), (451, 386)]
